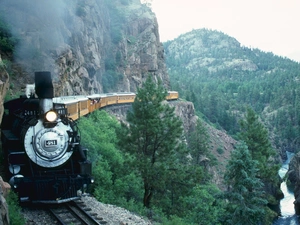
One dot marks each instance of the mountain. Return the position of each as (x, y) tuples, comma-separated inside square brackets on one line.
[(222, 78)]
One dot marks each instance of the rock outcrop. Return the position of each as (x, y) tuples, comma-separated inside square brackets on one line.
[(294, 178), (4, 188), (4, 83), (186, 112)]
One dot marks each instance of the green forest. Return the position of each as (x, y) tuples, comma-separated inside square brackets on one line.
[(223, 78), (147, 166)]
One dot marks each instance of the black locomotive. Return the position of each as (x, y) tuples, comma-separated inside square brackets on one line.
[(44, 159)]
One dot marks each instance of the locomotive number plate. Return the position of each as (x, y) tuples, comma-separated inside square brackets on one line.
[(50, 143)]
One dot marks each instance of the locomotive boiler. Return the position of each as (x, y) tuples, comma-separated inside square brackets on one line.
[(42, 152)]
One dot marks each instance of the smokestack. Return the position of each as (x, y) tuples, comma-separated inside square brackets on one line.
[(44, 90), (43, 85)]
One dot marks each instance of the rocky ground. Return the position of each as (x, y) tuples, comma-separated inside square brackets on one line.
[(111, 214)]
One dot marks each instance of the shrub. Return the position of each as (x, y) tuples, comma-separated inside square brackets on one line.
[(220, 150), (15, 216), (7, 41)]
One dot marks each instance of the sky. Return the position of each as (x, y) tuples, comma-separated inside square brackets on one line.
[(269, 25)]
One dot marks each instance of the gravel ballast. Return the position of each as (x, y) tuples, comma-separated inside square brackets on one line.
[(113, 215)]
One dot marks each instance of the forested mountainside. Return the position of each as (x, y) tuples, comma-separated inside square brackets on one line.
[(223, 78)]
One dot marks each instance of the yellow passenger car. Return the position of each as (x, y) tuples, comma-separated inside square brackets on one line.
[(126, 97), (172, 95), (71, 104)]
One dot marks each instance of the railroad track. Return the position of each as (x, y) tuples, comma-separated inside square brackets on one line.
[(75, 213)]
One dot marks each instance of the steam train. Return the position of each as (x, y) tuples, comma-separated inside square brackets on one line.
[(43, 156)]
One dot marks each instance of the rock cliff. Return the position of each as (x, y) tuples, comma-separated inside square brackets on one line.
[(220, 144), (90, 46), (294, 178), (4, 188), (4, 82)]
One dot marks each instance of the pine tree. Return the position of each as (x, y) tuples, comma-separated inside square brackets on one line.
[(198, 144), (246, 204), (256, 137), (152, 138)]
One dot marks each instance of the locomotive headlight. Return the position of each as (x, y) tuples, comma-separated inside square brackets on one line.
[(51, 116)]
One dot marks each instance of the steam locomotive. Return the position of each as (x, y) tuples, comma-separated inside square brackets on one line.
[(41, 143)]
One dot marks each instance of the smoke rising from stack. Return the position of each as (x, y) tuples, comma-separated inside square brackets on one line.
[(37, 26)]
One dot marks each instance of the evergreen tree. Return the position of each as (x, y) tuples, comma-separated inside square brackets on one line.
[(203, 206), (152, 139), (255, 135), (246, 204), (198, 144)]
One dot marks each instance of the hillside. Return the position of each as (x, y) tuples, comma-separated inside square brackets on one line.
[(222, 78)]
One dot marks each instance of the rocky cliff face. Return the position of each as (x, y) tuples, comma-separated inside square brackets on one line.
[(4, 188), (4, 82), (220, 144), (294, 178), (90, 46)]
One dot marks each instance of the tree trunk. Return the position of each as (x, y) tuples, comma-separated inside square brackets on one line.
[(147, 195)]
